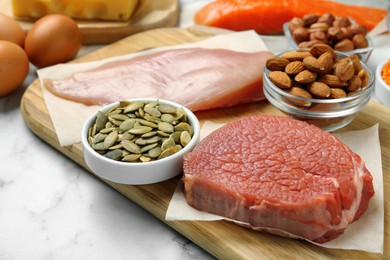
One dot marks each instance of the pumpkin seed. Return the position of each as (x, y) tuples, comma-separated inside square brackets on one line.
[(126, 125), (183, 126), (155, 152), (131, 146), (146, 148), (149, 134), (185, 138), (110, 139), (164, 108), (101, 120), (145, 159), (120, 117), (140, 130), (165, 127), (168, 118), (134, 106), (131, 157), (147, 123), (152, 111), (167, 152), (99, 137), (168, 143), (114, 155)]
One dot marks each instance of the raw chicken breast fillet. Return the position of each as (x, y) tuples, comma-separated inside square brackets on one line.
[(197, 78)]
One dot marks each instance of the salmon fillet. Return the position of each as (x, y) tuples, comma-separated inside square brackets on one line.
[(280, 174), (268, 16), (197, 78)]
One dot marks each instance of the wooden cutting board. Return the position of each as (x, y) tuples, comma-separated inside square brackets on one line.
[(150, 14), (222, 239)]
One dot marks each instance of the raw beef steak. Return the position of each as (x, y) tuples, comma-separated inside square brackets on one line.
[(280, 174)]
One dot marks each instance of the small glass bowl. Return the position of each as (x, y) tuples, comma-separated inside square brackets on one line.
[(363, 53), (327, 114), (138, 173)]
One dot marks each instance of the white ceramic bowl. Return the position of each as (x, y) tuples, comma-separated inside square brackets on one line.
[(382, 90), (138, 173)]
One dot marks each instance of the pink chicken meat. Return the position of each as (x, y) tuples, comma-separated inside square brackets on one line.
[(197, 78), (279, 174)]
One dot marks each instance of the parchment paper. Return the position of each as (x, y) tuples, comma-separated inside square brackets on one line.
[(366, 234), (68, 117)]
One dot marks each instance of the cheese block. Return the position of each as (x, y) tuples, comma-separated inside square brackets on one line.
[(118, 10)]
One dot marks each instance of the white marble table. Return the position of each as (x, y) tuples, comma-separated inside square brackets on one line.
[(51, 208)]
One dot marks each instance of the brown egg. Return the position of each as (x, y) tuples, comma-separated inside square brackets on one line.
[(14, 67), (10, 30), (52, 39)]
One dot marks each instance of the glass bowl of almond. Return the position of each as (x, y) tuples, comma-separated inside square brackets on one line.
[(340, 32), (319, 85)]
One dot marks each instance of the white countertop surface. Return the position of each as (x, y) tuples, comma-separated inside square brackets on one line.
[(51, 208)]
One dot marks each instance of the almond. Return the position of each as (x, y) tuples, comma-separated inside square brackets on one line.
[(300, 34), (318, 49), (337, 93), (359, 41), (326, 59), (294, 67), (295, 55), (309, 44), (356, 63), (318, 27), (299, 92), (319, 89), (354, 83), (305, 76), (332, 81), (276, 63), (344, 45), (280, 79), (295, 23), (344, 70), (313, 64), (363, 75), (309, 19)]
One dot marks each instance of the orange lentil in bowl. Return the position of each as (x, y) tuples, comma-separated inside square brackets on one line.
[(386, 72)]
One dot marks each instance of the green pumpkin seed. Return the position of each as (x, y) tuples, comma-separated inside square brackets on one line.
[(126, 125), (168, 118), (185, 138), (149, 134), (168, 109), (134, 106), (101, 120), (155, 152), (114, 155), (152, 111), (110, 139), (167, 144), (131, 146), (147, 123), (131, 157), (167, 152), (140, 130), (120, 117), (175, 136), (165, 127), (146, 148), (184, 127), (145, 159), (151, 104)]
